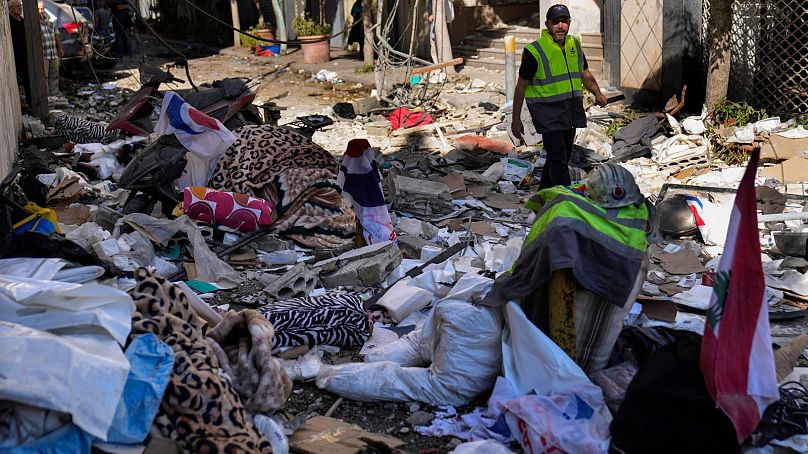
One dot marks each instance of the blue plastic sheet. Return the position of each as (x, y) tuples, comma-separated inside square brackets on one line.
[(151, 363)]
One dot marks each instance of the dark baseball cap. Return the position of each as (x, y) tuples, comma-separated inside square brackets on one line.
[(557, 11)]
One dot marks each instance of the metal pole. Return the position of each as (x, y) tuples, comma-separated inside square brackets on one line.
[(281, 21), (510, 67)]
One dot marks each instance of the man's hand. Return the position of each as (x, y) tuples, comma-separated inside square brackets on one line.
[(517, 129), (601, 100), (431, 18), (60, 52)]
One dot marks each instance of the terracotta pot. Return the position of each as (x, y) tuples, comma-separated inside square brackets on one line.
[(317, 52), (266, 34)]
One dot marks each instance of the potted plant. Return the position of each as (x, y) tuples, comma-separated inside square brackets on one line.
[(314, 39), (263, 30), (260, 30)]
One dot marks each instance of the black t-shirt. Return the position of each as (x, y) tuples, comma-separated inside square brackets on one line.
[(529, 65)]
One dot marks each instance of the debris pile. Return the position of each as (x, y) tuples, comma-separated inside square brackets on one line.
[(189, 262)]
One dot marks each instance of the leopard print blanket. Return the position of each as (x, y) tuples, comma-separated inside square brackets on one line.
[(201, 409), (297, 175), (243, 344)]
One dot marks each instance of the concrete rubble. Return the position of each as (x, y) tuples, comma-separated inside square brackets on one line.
[(456, 184), (364, 267)]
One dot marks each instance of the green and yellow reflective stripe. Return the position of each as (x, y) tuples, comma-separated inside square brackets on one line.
[(538, 53), (627, 217), (553, 98), (554, 79), (546, 196), (580, 54), (631, 237)]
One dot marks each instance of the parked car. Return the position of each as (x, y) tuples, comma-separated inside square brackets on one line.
[(74, 31)]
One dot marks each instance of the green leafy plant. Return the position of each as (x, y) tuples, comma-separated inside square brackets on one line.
[(616, 125), (364, 69), (728, 113), (250, 42), (305, 26)]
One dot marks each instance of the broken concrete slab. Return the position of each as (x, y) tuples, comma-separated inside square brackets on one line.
[(365, 105), (419, 196), (272, 243), (378, 128), (352, 254), (365, 267), (411, 246), (295, 283)]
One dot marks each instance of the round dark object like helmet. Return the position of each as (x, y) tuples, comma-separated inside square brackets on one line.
[(675, 219)]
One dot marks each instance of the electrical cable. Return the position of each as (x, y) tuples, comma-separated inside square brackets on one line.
[(266, 40), (90, 62), (183, 62)]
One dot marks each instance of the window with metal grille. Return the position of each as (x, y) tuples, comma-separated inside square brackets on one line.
[(769, 53)]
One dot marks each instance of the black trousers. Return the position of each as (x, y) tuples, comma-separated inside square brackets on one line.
[(558, 145), (22, 75)]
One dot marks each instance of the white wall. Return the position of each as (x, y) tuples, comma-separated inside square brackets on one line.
[(586, 14), (10, 122)]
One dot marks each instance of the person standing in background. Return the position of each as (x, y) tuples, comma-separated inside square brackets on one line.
[(101, 20), (20, 46), (51, 49), (122, 24)]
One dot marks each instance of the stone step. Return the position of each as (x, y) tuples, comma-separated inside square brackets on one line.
[(495, 58), (530, 34), (524, 33), (594, 39), (498, 45)]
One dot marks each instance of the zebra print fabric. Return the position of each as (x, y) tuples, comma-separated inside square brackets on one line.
[(79, 130), (336, 318)]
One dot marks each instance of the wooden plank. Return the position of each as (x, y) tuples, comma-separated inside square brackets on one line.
[(446, 64), (36, 60), (236, 22)]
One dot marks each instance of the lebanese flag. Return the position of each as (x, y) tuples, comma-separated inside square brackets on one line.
[(736, 353), (204, 136)]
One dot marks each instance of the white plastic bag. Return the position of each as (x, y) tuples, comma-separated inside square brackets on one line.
[(482, 447), (209, 267), (533, 362), (53, 305), (83, 375), (461, 340), (558, 423)]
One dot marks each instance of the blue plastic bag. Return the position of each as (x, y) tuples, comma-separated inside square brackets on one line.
[(151, 362)]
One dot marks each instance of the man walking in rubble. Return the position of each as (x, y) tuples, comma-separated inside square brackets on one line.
[(51, 49), (553, 72)]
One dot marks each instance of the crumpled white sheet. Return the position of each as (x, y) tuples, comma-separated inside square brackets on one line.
[(104, 156), (477, 425)]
